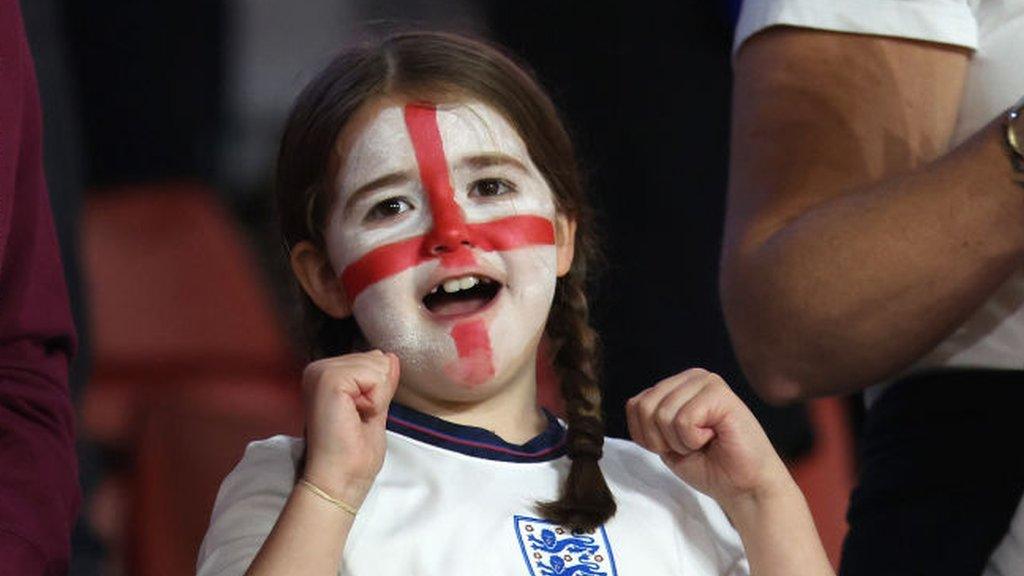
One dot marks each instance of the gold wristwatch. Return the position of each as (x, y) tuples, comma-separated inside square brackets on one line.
[(1015, 139)]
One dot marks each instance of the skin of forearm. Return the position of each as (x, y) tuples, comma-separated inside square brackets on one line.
[(778, 533), (307, 539), (858, 287)]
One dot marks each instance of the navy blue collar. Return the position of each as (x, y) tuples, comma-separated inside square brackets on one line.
[(473, 441)]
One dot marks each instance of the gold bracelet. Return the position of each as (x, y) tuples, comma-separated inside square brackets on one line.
[(315, 490)]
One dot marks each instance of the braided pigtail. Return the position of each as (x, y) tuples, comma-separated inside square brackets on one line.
[(585, 501)]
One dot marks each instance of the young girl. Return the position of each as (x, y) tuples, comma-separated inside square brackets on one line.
[(434, 216)]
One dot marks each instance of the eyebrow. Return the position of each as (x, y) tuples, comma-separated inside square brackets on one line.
[(478, 161), (392, 179)]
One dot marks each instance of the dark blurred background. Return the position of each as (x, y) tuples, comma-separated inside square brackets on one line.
[(162, 120)]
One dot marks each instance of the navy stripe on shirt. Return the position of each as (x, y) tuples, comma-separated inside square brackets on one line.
[(477, 442)]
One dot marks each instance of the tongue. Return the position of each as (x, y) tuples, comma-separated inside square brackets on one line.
[(461, 306)]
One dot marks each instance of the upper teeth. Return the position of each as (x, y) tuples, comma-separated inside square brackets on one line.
[(456, 284)]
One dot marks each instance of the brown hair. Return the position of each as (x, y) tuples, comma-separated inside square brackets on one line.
[(429, 63)]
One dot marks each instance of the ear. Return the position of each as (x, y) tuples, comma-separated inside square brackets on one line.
[(565, 243), (318, 279)]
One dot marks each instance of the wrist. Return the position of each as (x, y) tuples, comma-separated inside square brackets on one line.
[(349, 489), (777, 530), (781, 491), (337, 503)]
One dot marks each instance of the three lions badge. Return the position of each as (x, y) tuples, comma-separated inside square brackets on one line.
[(551, 550)]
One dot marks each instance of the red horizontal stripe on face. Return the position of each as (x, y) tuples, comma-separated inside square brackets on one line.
[(497, 235)]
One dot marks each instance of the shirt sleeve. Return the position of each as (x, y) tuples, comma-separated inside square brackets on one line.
[(39, 494), (941, 21), (731, 545), (1008, 558), (247, 506), (733, 558)]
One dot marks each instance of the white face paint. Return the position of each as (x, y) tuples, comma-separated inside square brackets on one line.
[(381, 230)]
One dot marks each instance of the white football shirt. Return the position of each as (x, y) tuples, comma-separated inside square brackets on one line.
[(454, 500)]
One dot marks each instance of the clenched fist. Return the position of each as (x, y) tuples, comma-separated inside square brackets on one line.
[(347, 400), (706, 436)]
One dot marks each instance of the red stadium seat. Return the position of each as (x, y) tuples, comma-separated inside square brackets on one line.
[(191, 361)]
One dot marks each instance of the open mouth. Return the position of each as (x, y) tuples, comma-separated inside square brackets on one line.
[(462, 295)]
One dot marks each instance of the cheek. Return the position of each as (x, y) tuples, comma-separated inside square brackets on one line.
[(349, 244), (534, 273), (340, 250), (392, 321), (379, 265), (530, 298)]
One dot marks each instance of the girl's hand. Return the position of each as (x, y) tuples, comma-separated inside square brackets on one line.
[(708, 438), (347, 400)]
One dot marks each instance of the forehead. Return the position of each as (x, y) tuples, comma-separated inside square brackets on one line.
[(382, 144)]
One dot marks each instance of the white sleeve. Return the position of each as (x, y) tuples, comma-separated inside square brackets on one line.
[(741, 567), (247, 506), (727, 538), (1008, 559), (941, 21)]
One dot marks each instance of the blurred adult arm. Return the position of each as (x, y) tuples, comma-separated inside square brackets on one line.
[(856, 239), (39, 493)]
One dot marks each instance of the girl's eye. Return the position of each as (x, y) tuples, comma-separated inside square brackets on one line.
[(491, 187), (388, 209)]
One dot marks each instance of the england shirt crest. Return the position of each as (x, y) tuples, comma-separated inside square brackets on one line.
[(551, 550)]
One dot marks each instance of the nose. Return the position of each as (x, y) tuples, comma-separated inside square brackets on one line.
[(448, 238)]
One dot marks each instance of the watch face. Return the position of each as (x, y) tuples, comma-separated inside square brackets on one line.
[(1015, 131)]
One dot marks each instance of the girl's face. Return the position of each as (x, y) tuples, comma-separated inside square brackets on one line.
[(444, 236)]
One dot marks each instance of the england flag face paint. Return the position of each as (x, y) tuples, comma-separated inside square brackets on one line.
[(444, 236)]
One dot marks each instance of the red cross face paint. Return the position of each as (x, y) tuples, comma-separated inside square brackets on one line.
[(443, 233)]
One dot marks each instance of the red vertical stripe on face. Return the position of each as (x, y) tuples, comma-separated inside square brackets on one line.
[(473, 344), (449, 238)]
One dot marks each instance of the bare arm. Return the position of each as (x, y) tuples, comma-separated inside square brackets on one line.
[(308, 537), (855, 240), (347, 399), (778, 533)]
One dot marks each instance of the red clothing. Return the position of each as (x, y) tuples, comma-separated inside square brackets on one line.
[(39, 492)]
